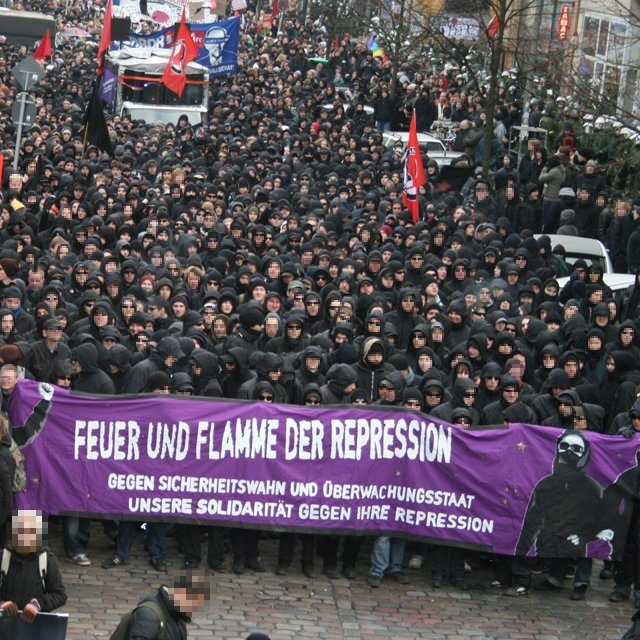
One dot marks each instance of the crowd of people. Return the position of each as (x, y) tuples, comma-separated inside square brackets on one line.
[(267, 255)]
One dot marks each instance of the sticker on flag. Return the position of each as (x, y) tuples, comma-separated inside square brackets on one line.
[(414, 176)]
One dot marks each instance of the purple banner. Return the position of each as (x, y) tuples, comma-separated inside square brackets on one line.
[(520, 489), (108, 87)]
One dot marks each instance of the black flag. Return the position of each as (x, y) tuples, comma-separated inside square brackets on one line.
[(95, 125)]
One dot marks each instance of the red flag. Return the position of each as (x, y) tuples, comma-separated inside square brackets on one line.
[(414, 176), (1, 169), (493, 29), (276, 9), (183, 52), (43, 50), (105, 39)]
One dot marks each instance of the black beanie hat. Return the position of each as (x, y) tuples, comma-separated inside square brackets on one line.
[(250, 316)]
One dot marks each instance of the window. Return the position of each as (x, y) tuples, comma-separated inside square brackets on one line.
[(603, 54)]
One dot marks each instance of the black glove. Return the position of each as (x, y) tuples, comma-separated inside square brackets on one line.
[(627, 432)]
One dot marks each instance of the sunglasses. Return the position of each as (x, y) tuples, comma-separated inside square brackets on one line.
[(312, 402), (470, 394), (414, 404), (64, 378), (575, 448)]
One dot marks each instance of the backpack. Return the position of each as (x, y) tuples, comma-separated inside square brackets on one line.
[(42, 566), (19, 475), (122, 630)]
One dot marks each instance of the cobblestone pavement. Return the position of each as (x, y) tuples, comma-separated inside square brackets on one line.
[(295, 607)]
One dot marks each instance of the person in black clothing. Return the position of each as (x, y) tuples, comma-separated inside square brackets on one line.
[(90, 378), (22, 587), (45, 354), (170, 608)]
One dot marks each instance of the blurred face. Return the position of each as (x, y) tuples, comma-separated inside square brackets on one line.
[(626, 337), (571, 368), (433, 397), (510, 394), (186, 602), (313, 364), (7, 324), (53, 335), (565, 409), (469, 397), (594, 343), (271, 327), (100, 318), (424, 362), (386, 391), (27, 531), (8, 379)]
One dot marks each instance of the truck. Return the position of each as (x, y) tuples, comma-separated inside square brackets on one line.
[(141, 94), (25, 27)]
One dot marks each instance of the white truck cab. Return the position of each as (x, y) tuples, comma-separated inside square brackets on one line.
[(141, 94)]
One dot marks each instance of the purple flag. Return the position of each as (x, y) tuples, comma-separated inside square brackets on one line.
[(520, 489), (108, 87)]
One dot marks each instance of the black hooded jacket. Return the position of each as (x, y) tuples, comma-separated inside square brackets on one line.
[(445, 410), (145, 623), (91, 378), (369, 377)]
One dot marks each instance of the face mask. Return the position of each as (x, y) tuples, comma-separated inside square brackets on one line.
[(571, 452)]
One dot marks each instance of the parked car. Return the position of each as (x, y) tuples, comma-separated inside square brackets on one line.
[(347, 98), (433, 147), (615, 281), (593, 251)]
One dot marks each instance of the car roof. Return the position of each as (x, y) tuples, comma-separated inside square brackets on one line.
[(584, 247), (615, 281), (404, 136)]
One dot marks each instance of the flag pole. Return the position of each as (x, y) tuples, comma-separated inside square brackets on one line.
[(84, 141)]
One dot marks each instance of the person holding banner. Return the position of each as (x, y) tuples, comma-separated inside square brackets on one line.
[(30, 580)]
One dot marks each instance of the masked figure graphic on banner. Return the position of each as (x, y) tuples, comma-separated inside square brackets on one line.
[(567, 509), (215, 41)]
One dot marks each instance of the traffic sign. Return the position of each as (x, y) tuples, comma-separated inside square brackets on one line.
[(28, 72), (26, 116)]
